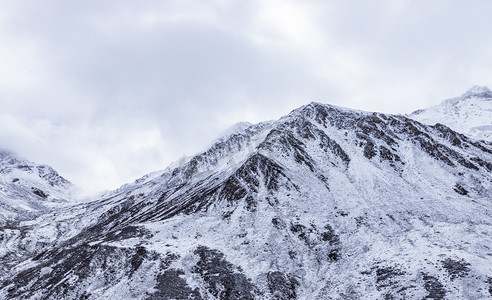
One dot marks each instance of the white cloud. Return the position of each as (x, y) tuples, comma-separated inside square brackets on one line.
[(106, 91)]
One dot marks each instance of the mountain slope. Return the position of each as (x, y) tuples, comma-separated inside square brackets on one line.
[(470, 114), (27, 188), (325, 203), (29, 192)]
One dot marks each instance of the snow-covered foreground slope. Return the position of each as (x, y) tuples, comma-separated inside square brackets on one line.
[(325, 203), (470, 114)]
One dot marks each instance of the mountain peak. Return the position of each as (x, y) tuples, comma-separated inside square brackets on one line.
[(314, 109), (469, 113), (477, 91)]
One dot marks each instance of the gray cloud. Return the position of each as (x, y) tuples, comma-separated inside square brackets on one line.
[(106, 91)]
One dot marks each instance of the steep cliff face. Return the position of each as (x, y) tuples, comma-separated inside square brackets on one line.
[(325, 203), (470, 114)]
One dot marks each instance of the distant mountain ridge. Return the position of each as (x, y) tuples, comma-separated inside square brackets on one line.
[(28, 188), (470, 114)]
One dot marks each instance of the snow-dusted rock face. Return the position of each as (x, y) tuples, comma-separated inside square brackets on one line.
[(470, 114), (29, 194), (27, 188), (325, 203)]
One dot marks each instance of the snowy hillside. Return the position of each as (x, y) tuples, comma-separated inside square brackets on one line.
[(325, 203), (470, 114), (27, 188)]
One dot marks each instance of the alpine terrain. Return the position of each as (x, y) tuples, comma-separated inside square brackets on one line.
[(470, 114), (324, 203), (27, 188)]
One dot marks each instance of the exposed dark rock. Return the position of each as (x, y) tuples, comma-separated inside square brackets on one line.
[(443, 153), (304, 129), (258, 165), (313, 238), (201, 195), (386, 154), (278, 223), (72, 267), (445, 132), (387, 276), (285, 141), (224, 281), (282, 286), (232, 189), (463, 161), (375, 126), (369, 150), (330, 236), (297, 228), (334, 255), (308, 131), (39, 192), (483, 146), (137, 259), (482, 163), (456, 268), (410, 127), (170, 285), (489, 281), (434, 288), (460, 190), (434, 150), (302, 233), (24, 167), (127, 233), (250, 203), (330, 144)]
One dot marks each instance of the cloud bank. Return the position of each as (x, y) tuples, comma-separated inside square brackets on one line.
[(106, 91)]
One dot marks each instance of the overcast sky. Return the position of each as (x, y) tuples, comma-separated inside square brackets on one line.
[(106, 91)]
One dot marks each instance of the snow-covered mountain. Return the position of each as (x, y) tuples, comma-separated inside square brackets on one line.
[(27, 188), (470, 114), (325, 203)]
